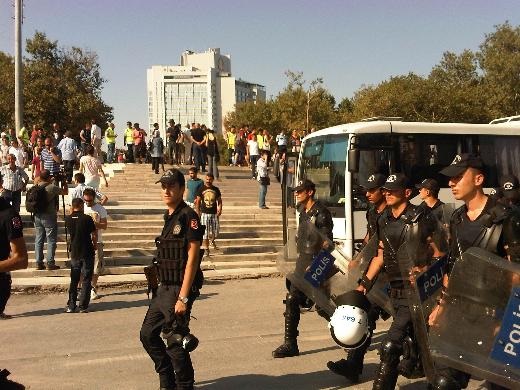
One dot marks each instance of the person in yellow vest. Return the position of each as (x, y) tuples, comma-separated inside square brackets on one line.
[(129, 142), (23, 136), (231, 136), (110, 136), (260, 138)]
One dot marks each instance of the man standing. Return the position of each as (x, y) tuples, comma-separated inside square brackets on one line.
[(198, 136), (311, 211), (13, 252), (253, 153), (171, 140), (77, 192), (15, 182), (262, 171), (83, 241), (85, 136), (208, 205), (231, 138), (352, 367), (281, 141), (192, 187), (46, 221), (480, 222), (57, 134), (180, 280), (400, 223), (96, 139), (69, 153), (429, 193), (139, 143), (17, 151), (129, 142), (99, 216), (110, 136), (50, 158)]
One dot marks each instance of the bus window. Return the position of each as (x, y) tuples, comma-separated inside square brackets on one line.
[(501, 156), (324, 162)]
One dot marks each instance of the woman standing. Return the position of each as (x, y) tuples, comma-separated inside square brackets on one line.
[(212, 151), (157, 151), (91, 168)]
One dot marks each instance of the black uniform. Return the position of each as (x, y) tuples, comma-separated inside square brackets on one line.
[(307, 246), (173, 364), (412, 227), (495, 229), (10, 229)]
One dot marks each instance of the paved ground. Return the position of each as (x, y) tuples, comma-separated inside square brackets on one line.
[(239, 323)]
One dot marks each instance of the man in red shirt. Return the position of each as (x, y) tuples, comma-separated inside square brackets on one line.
[(139, 143)]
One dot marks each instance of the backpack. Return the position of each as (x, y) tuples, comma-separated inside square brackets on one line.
[(36, 200)]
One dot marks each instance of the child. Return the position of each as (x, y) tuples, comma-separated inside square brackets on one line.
[(192, 186)]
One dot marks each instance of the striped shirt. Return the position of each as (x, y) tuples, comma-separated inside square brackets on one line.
[(14, 180), (48, 162)]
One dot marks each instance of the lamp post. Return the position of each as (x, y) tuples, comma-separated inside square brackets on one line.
[(18, 71)]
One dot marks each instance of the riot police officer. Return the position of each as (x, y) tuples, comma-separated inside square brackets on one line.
[(352, 367), (178, 270), (399, 223), (13, 256), (310, 210), (481, 222)]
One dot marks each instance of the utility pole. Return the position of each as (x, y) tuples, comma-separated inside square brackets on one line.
[(18, 71)]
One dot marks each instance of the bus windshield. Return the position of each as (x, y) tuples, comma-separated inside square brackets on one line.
[(323, 161)]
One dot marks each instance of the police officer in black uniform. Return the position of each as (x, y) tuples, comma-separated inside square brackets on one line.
[(509, 191), (13, 256), (399, 224), (310, 210), (352, 367), (178, 269), (481, 222)]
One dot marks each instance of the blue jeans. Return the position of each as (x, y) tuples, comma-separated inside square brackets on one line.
[(212, 166), (111, 152), (46, 226), (198, 158), (261, 195)]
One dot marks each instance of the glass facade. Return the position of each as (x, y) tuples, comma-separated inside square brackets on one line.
[(186, 102)]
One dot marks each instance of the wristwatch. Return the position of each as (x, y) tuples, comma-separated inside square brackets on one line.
[(183, 299)]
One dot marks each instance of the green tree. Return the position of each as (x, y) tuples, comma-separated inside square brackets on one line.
[(499, 59), (7, 90)]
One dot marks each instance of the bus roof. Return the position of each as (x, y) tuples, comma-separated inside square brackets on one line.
[(400, 127)]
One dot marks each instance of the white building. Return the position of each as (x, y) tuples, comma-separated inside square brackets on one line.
[(201, 89)]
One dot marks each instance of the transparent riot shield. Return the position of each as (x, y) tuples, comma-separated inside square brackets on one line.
[(321, 270), (424, 275), (477, 326)]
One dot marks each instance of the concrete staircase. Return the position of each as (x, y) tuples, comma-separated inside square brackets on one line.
[(249, 237)]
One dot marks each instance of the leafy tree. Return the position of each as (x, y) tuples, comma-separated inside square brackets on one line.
[(7, 89), (499, 59)]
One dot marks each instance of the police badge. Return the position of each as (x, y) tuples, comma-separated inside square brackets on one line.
[(176, 229)]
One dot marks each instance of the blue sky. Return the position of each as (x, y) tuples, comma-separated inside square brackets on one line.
[(349, 43)]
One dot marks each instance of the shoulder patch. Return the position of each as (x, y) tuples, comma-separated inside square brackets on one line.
[(194, 224), (176, 229)]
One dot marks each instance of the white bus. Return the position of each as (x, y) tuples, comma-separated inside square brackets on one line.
[(335, 159)]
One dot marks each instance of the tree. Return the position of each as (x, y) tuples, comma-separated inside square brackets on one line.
[(61, 85), (499, 59), (7, 89)]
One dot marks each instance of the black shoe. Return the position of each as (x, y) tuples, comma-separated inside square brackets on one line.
[(345, 368), (40, 267), (83, 310), (286, 350), (52, 267), (70, 310)]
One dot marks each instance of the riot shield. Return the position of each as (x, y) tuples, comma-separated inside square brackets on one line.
[(424, 274), (477, 327), (321, 270)]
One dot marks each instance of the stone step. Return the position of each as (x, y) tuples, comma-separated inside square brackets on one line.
[(122, 230), (227, 203), (118, 266)]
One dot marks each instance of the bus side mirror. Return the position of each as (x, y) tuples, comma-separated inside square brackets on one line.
[(353, 160)]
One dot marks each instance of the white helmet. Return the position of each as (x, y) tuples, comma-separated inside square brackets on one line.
[(349, 323)]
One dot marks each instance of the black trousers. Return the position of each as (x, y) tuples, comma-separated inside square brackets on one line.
[(80, 268), (5, 290), (174, 364), (156, 161), (68, 168)]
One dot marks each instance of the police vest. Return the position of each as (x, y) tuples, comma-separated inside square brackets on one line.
[(129, 136), (310, 242), (231, 138), (110, 135)]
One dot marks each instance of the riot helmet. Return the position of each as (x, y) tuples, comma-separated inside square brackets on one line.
[(349, 323)]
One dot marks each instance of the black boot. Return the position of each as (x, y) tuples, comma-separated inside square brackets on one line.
[(387, 373), (289, 347), (351, 367)]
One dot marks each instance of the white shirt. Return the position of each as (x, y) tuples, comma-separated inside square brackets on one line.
[(261, 168), (281, 139), (97, 212), (253, 147), (19, 154), (95, 132)]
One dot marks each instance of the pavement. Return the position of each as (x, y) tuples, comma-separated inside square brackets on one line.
[(239, 322)]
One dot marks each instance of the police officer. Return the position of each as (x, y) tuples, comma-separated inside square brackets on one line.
[(481, 222), (352, 367), (178, 269), (429, 194), (399, 223), (509, 191), (13, 256), (310, 210)]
